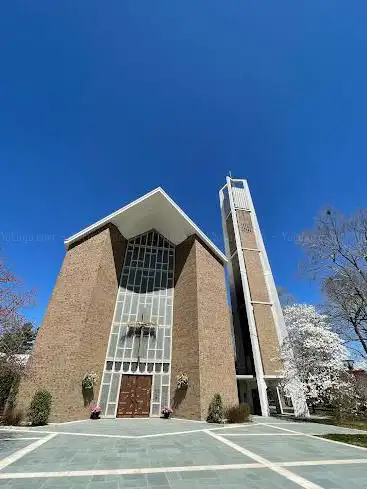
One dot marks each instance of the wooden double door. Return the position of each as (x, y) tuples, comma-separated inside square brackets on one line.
[(134, 397)]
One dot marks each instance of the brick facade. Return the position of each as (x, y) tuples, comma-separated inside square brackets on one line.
[(75, 331), (246, 230), (202, 345), (217, 366), (74, 335), (185, 335), (265, 324), (268, 340), (257, 284)]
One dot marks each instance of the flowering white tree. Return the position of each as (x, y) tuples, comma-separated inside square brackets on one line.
[(362, 365), (314, 356)]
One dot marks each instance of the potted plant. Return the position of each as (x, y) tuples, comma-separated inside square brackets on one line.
[(182, 381), (166, 412), (89, 381), (95, 412)]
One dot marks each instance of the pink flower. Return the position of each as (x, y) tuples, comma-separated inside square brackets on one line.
[(95, 408)]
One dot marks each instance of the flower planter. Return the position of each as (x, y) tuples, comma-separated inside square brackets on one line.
[(95, 416), (89, 381), (166, 412), (182, 381)]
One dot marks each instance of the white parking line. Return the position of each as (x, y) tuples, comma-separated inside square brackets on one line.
[(16, 429), (301, 481), (260, 434), (131, 437), (144, 470), (48, 432), (317, 437), (223, 428), (189, 420), (174, 433), (24, 451), (259, 421), (16, 439), (308, 423), (162, 470), (307, 463)]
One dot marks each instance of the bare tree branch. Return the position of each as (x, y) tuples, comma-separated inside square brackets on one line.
[(336, 254), (16, 334)]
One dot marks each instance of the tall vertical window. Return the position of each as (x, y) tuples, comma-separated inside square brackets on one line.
[(145, 296)]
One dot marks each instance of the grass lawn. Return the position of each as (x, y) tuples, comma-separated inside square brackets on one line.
[(356, 424), (360, 440), (359, 425)]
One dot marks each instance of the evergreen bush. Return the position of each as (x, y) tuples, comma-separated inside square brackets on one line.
[(40, 408), (215, 410)]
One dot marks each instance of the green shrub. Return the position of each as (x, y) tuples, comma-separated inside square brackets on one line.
[(40, 408), (12, 417), (238, 413), (215, 411)]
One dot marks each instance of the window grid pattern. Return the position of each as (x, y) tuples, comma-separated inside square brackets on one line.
[(145, 294)]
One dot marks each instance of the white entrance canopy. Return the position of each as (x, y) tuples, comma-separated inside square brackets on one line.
[(154, 210)]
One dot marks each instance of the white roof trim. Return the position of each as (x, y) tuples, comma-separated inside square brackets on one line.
[(190, 226)]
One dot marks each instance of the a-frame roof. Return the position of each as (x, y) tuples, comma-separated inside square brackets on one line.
[(153, 210)]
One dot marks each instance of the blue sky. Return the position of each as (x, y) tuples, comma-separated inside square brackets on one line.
[(103, 101)]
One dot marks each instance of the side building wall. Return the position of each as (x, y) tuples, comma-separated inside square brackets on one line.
[(74, 335), (217, 364), (202, 346), (185, 335)]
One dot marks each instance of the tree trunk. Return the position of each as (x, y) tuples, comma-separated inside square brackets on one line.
[(360, 337)]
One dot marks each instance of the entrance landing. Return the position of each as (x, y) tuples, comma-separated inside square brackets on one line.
[(126, 427), (151, 453)]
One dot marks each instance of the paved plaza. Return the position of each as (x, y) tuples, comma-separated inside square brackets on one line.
[(268, 453)]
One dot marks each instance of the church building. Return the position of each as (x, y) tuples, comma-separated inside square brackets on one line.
[(140, 300), (140, 306)]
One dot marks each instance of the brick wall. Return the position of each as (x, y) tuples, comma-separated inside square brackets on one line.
[(268, 340), (256, 278), (265, 325), (217, 367), (185, 336), (202, 345), (75, 330), (247, 235)]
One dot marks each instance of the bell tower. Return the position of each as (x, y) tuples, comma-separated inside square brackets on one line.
[(257, 318)]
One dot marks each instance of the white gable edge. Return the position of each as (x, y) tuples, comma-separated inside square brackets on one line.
[(196, 230)]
